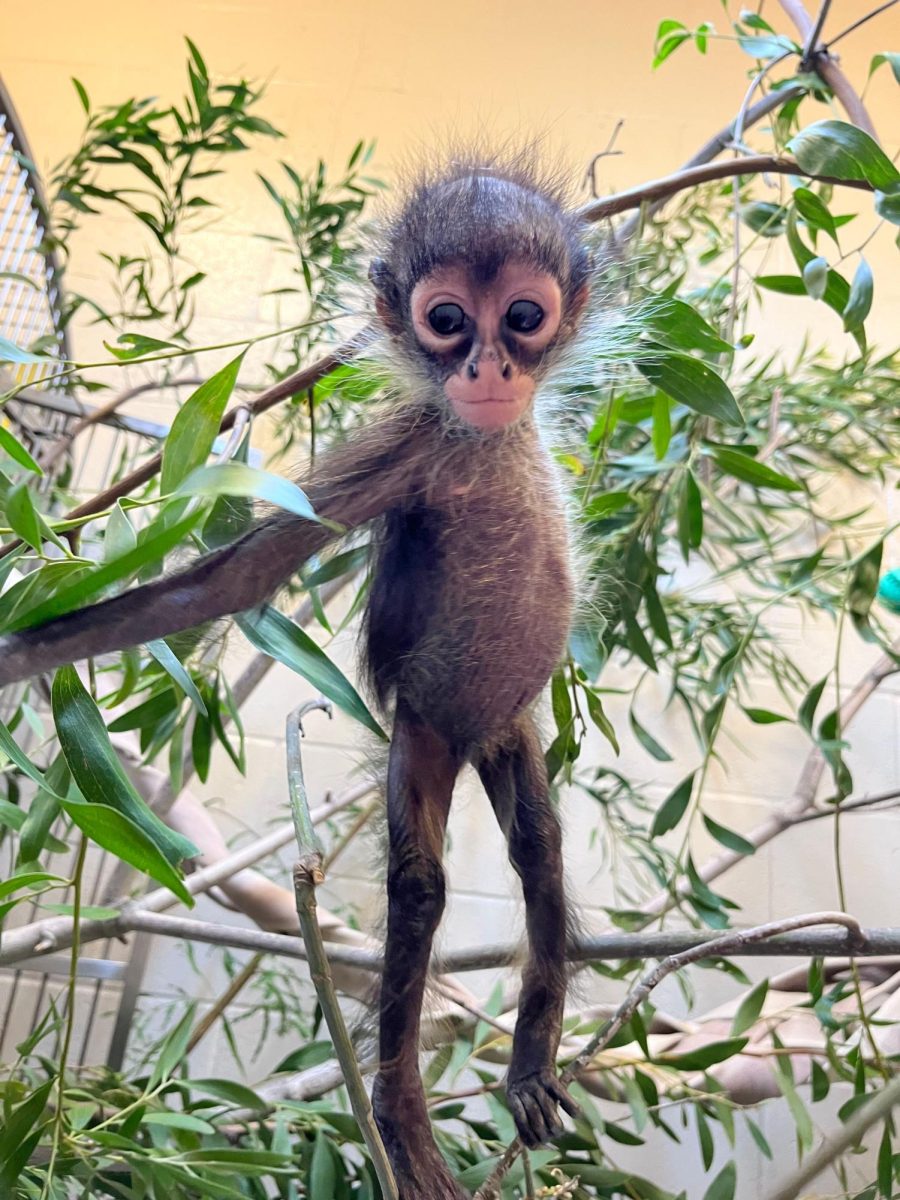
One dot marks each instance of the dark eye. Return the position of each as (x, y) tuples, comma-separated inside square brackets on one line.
[(447, 319), (524, 316)]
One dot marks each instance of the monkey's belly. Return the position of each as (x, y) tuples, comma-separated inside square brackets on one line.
[(478, 664)]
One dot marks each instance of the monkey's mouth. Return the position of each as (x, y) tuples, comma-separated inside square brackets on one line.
[(490, 412)]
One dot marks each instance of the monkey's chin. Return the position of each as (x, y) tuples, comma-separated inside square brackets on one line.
[(491, 416)]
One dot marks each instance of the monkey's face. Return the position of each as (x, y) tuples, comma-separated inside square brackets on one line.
[(487, 338)]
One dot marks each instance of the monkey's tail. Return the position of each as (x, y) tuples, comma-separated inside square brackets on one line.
[(233, 579)]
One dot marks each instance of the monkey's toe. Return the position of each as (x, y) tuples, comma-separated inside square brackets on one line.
[(533, 1102)]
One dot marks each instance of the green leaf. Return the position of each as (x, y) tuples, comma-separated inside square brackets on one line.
[(97, 770), (887, 205), (13, 447), (31, 880), (137, 345), (173, 1049), (322, 1173), (276, 635), (87, 586), (600, 719), (83, 96), (886, 1163), (815, 277), (11, 353), (677, 324), (172, 665), (178, 1120), (807, 711), (646, 739), (11, 749), (119, 835), (690, 515), (845, 152), (237, 479), (888, 56), (742, 466), (235, 1095), (814, 211), (196, 426), (864, 586), (704, 1056), (673, 807), (727, 837), (692, 383), (662, 425), (766, 47), (857, 307), (118, 537), (764, 716), (750, 1008), (764, 217), (22, 516), (722, 1187)]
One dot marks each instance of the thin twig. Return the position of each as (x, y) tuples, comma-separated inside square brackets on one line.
[(876, 12), (307, 875), (815, 33), (850, 1134), (235, 987), (730, 943)]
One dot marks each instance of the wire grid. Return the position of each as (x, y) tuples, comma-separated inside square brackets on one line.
[(40, 415)]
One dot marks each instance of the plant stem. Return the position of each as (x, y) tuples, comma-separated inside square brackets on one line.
[(307, 875), (59, 1115)]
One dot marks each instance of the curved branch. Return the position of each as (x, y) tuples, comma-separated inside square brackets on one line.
[(680, 181)]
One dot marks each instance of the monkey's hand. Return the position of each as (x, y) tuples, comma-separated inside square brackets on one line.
[(533, 1101)]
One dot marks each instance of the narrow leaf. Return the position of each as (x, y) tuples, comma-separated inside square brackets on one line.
[(195, 427)]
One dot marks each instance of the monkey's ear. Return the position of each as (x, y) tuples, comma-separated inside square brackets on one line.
[(387, 295)]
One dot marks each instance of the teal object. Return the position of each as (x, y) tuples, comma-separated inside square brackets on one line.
[(889, 591)]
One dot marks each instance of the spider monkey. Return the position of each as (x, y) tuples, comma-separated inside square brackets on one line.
[(480, 280)]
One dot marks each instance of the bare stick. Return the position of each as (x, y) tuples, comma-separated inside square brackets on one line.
[(307, 875)]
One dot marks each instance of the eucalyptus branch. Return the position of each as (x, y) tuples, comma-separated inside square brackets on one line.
[(803, 798), (735, 942), (688, 177), (56, 933), (308, 874)]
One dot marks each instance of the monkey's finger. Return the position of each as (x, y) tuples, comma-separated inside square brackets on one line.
[(520, 1116), (552, 1119), (559, 1092), (535, 1123)]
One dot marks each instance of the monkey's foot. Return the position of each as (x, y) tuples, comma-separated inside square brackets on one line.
[(533, 1101)]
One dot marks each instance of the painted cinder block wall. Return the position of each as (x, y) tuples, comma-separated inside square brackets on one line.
[(409, 74)]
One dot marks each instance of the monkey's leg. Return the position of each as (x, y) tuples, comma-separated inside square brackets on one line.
[(421, 773), (515, 780)]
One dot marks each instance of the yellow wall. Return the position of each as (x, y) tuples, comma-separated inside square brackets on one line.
[(407, 74)]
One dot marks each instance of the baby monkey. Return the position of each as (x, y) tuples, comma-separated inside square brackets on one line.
[(480, 282)]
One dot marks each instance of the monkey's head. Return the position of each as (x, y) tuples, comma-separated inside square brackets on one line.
[(482, 277)]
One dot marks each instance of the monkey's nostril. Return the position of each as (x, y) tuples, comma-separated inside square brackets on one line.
[(506, 370), (472, 369)]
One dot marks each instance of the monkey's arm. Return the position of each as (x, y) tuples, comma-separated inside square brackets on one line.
[(352, 484)]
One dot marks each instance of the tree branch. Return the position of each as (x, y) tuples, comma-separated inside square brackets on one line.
[(817, 59), (680, 181)]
